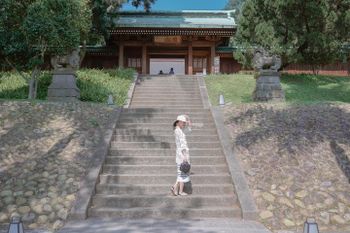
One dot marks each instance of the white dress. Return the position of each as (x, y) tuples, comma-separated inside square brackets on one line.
[(181, 145)]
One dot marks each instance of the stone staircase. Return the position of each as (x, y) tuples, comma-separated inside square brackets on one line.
[(140, 168)]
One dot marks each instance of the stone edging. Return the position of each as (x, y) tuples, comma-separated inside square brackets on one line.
[(245, 198), (89, 181), (204, 92), (131, 91)]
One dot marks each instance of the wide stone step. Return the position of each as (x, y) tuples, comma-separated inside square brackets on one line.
[(163, 152), (156, 120), (163, 179), (167, 102), (166, 95), (193, 116), (162, 160), (157, 225), (146, 125), (161, 201), (161, 131), (167, 98), (166, 213), (169, 110), (187, 86), (176, 86), (162, 169), (165, 145), (170, 92), (163, 138), (137, 105), (146, 189)]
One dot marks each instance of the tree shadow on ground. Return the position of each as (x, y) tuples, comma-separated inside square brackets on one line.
[(45, 149), (298, 128)]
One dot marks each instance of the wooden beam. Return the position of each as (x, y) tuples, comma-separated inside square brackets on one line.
[(144, 59), (121, 56), (212, 57), (190, 60)]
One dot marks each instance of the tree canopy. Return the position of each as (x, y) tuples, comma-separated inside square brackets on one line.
[(104, 11), (32, 29), (304, 31)]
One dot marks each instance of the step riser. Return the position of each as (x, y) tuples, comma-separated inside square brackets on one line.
[(164, 105), (170, 153), (169, 110), (169, 139), (163, 126), (166, 132), (161, 202), (167, 98), (161, 145), (139, 170), (194, 116), (169, 120), (167, 102), (159, 190), (162, 130), (170, 213), (161, 160), (114, 179), (142, 97), (194, 93), (162, 90)]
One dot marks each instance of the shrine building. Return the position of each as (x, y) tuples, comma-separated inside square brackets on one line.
[(188, 42)]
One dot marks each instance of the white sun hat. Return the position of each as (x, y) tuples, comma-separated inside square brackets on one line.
[(181, 118)]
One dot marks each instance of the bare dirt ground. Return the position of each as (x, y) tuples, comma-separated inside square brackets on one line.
[(296, 160), (45, 149)]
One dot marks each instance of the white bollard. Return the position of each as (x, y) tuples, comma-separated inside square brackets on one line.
[(221, 100), (110, 100)]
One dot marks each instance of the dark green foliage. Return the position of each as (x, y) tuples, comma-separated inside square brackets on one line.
[(304, 31), (31, 29), (56, 26), (103, 14)]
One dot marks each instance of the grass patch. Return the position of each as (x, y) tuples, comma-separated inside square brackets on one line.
[(238, 88), (94, 85)]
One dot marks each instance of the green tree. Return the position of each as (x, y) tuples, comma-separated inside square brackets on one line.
[(304, 31), (105, 11), (35, 29)]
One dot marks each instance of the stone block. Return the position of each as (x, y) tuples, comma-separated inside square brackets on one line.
[(268, 87), (63, 87)]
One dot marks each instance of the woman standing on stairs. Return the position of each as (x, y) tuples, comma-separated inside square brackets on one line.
[(182, 153)]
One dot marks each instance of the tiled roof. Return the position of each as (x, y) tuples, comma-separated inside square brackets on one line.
[(181, 19)]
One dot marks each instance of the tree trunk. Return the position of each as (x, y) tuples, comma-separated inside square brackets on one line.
[(82, 54), (33, 84)]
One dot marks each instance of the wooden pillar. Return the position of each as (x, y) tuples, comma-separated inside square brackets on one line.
[(121, 56), (190, 59), (144, 59), (212, 58)]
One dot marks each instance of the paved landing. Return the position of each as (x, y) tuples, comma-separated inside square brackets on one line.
[(93, 225)]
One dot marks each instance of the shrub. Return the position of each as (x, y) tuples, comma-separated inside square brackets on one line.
[(95, 85)]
